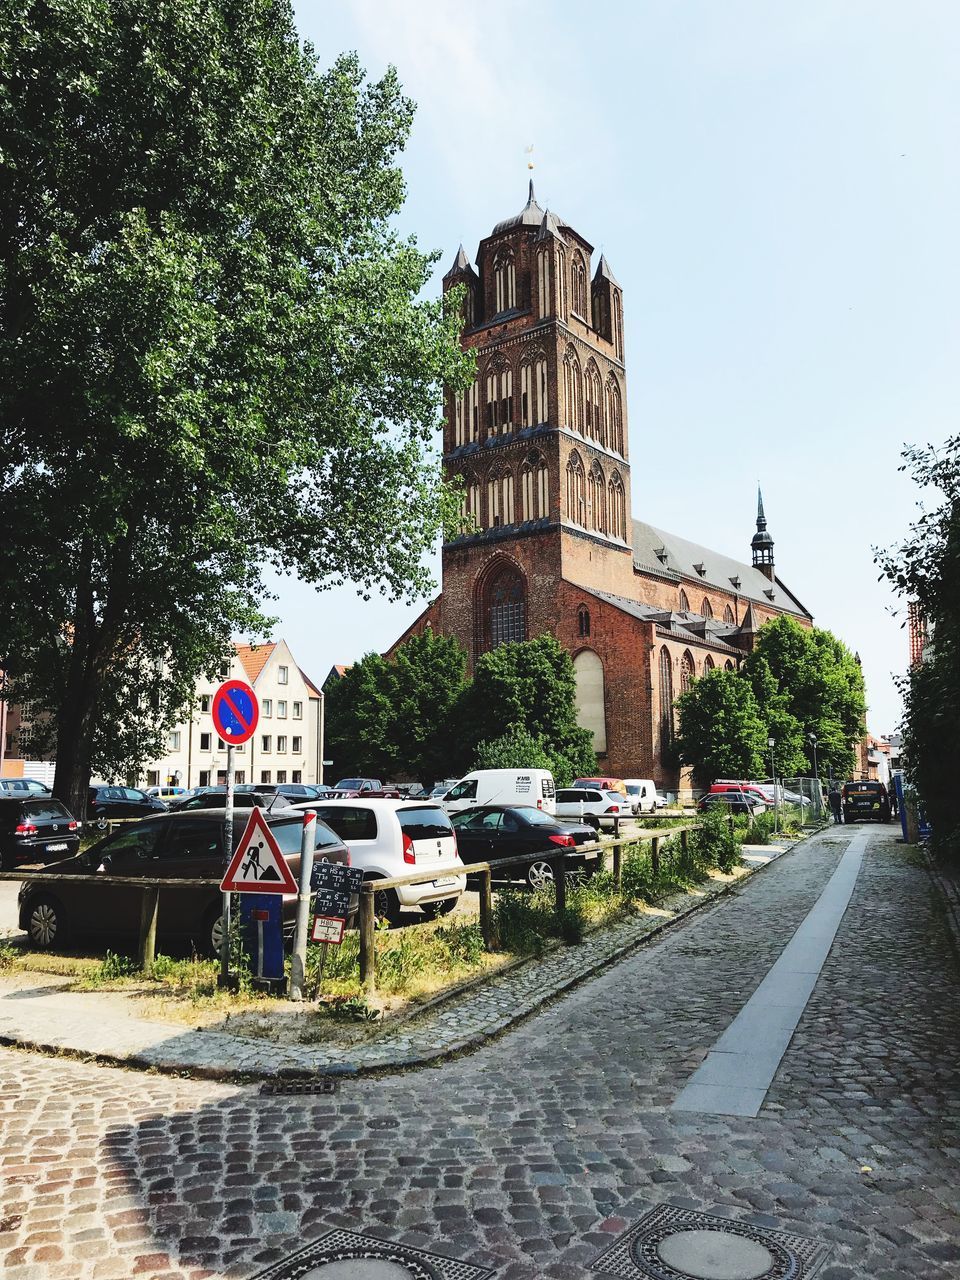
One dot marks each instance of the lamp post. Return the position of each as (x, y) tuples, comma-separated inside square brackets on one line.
[(771, 743), (816, 775)]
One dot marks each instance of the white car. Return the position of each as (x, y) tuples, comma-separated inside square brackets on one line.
[(590, 805), (390, 838)]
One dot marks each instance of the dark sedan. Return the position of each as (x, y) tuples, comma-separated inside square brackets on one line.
[(216, 798), (35, 831), (176, 846), (503, 831), (106, 802), (731, 802)]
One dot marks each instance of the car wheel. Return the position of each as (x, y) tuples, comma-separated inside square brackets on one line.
[(212, 939), (433, 910), (386, 905), (46, 923), (539, 874), (100, 822)]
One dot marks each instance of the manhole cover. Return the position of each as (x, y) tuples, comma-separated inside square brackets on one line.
[(345, 1255), (715, 1255), (683, 1244)]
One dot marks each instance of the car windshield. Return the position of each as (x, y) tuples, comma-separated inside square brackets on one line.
[(349, 784), (534, 817)]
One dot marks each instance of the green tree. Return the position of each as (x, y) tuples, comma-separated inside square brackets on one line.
[(531, 685), (806, 681), (213, 352), (516, 749), (721, 733), (359, 720), (429, 682)]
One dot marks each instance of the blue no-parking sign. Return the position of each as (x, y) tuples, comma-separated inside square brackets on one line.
[(235, 712)]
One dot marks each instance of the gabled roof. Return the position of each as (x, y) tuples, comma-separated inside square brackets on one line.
[(312, 688), (461, 265), (603, 272), (666, 554), (254, 657)]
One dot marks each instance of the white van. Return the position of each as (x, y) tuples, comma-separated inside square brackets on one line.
[(642, 794), (533, 787)]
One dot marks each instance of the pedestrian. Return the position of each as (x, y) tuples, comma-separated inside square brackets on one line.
[(894, 800), (836, 802)]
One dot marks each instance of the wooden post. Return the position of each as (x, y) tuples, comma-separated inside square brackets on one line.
[(486, 909), (684, 833), (368, 958), (655, 855), (560, 882), (149, 904), (617, 863)]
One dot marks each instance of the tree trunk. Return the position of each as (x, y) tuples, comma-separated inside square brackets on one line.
[(76, 715)]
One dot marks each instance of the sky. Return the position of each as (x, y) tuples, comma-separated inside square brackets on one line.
[(777, 189)]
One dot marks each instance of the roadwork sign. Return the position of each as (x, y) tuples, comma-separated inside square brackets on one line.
[(258, 866)]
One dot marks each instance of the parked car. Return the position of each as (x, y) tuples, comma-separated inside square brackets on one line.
[(593, 807), (503, 786), (441, 788), (106, 802), (35, 830), (397, 838), (297, 791), (662, 802), (761, 794), (503, 831), (604, 784), (166, 794), (642, 794), (358, 786), (732, 802), (216, 798), (23, 787), (187, 846), (865, 800)]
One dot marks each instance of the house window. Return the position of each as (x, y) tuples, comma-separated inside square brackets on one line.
[(281, 743), (281, 775), (297, 745), (264, 775), (265, 741), (225, 671), (283, 675), (583, 621), (173, 740), (298, 711), (296, 776), (281, 709), (205, 741), (266, 708), (221, 745), (239, 775), (204, 777), (153, 777), (205, 702)]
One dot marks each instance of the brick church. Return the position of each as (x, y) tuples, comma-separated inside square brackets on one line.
[(539, 443)]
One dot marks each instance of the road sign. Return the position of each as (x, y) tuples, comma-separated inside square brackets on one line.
[(327, 929), (331, 902), (258, 866), (336, 875), (235, 712)]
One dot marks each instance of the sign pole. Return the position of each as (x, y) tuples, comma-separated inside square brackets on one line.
[(224, 979), (298, 965)]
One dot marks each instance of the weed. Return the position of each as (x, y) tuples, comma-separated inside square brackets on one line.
[(111, 968), (8, 955)]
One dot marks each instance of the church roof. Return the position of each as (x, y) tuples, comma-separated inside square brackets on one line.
[(665, 553), (461, 264), (531, 215), (550, 226), (688, 627), (603, 271)]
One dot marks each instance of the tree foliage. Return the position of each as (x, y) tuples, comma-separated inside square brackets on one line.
[(721, 732), (518, 748), (213, 355), (925, 570)]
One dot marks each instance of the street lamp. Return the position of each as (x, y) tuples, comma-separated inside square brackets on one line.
[(771, 743), (816, 775)]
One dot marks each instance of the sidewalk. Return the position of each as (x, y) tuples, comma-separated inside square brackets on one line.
[(104, 1026)]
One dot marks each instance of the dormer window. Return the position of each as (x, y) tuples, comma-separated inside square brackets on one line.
[(701, 569), (737, 582), (661, 554)]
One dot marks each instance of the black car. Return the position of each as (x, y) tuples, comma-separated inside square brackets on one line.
[(299, 791), (35, 831), (176, 846), (500, 831), (730, 802), (106, 802), (216, 798)]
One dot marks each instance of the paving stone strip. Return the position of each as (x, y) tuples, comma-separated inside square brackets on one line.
[(100, 1027)]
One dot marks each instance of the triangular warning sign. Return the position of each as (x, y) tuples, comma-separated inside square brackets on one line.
[(258, 866)]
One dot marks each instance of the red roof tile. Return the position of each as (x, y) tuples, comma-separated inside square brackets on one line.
[(254, 658)]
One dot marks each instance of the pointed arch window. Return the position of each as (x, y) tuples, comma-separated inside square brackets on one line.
[(508, 505), (533, 488), (505, 608), (504, 281), (472, 497), (666, 696), (576, 495), (728, 665), (728, 615), (618, 325), (583, 622), (527, 408), (684, 601), (562, 284), (615, 418), (459, 411), (543, 283), (573, 390), (542, 412), (688, 671), (708, 663), (618, 508), (597, 495), (494, 516), (594, 403), (578, 286), (706, 609)]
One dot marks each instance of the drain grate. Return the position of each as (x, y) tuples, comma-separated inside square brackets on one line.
[(293, 1088), (366, 1256), (684, 1244)]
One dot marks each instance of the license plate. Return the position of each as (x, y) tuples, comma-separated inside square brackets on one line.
[(56, 848), (442, 884)]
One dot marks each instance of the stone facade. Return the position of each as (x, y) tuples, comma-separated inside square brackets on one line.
[(539, 445)]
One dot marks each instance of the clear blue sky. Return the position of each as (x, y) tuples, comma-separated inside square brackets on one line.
[(777, 189)]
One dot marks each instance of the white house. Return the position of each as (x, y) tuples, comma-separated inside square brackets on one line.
[(288, 744)]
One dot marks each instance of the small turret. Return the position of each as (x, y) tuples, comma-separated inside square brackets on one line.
[(762, 543)]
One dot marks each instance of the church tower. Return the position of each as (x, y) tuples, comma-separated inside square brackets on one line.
[(539, 441), (762, 543)]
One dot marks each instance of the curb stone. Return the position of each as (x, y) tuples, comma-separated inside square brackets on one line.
[(370, 1064)]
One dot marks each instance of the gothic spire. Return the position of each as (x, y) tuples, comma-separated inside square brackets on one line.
[(762, 543)]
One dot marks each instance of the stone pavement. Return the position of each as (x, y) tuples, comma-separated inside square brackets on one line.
[(532, 1155), (107, 1026)]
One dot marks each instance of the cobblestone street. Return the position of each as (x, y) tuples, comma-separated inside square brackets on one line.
[(530, 1156)]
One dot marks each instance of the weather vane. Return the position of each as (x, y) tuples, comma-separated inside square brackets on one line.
[(528, 152)]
